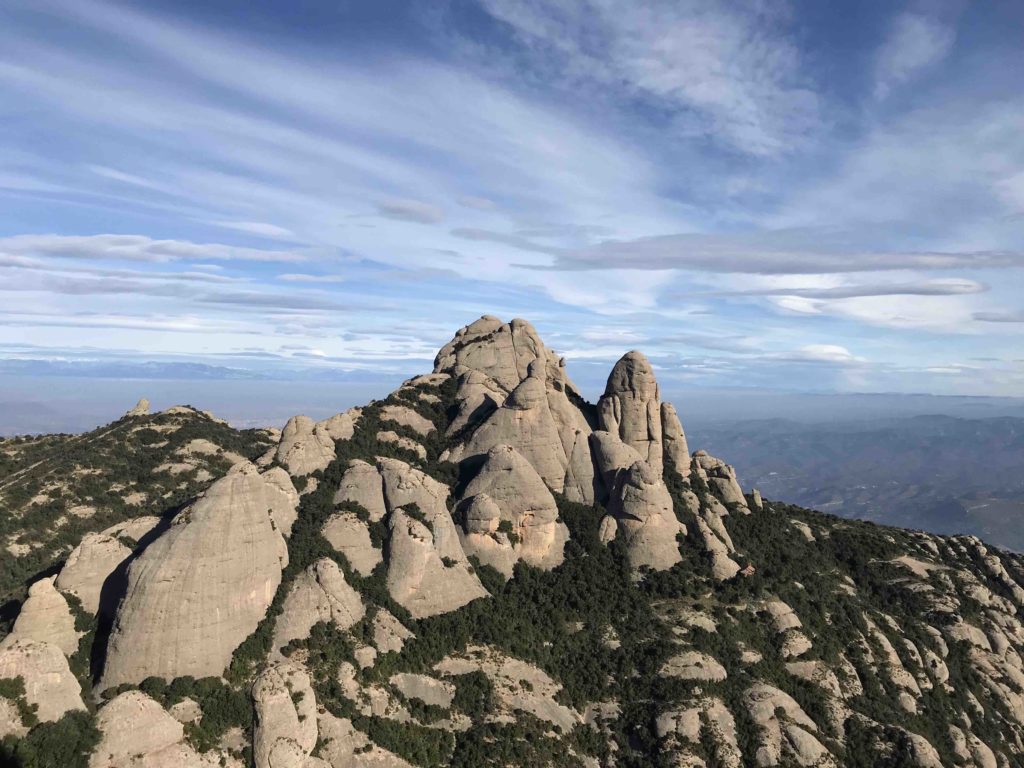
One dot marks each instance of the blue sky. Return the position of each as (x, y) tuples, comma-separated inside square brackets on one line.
[(807, 196)]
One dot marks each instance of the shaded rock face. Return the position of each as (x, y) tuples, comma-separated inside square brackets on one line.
[(642, 509), (50, 685), (362, 484), (676, 450), (631, 408), (286, 720), (202, 587), (509, 514), (97, 557), (320, 593), (45, 617)]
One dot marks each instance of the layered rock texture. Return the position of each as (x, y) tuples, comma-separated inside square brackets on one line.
[(483, 569)]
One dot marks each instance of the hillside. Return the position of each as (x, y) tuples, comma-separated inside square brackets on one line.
[(54, 489), (483, 569)]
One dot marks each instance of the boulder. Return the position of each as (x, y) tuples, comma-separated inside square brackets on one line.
[(320, 593), (642, 509), (509, 485), (46, 617), (342, 426), (50, 685), (631, 408), (286, 718), (305, 446), (202, 587)]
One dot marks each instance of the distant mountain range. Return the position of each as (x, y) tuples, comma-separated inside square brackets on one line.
[(936, 473)]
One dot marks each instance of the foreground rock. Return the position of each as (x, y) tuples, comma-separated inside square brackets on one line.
[(286, 727), (136, 732), (50, 686), (201, 588)]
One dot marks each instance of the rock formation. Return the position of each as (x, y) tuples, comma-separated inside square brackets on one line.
[(50, 686), (136, 732), (631, 408), (141, 408), (350, 537), (509, 514), (286, 719), (202, 587), (45, 617), (320, 593), (641, 509), (305, 446), (427, 569), (721, 477)]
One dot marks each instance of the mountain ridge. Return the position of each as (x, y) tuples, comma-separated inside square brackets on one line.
[(484, 569)]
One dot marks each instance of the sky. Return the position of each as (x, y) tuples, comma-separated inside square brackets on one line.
[(791, 196)]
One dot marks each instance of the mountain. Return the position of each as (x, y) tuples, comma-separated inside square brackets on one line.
[(937, 473), (484, 569)]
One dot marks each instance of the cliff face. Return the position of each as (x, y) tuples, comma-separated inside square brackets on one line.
[(483, 569)]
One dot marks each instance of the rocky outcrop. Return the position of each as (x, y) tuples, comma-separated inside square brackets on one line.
[(350, 537), (45, 617), (405, 443), (50, 686), (700, 722), (427, 569), (286, 718), (345, 747), (721, 477), (694, 665), (305, 446), (320, 593), (641, 509), (89, 565), (519, 394), (389, 634), (202, 587), (676, 451), (788, 735), (141, 408), (136, 732), (407, 417), (524, 421), (508, 514), (341, 426), (631, 408), (362, 484)]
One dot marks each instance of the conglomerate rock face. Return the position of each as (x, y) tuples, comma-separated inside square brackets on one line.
[(201, 588)]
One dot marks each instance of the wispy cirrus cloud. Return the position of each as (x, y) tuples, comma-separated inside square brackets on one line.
[(915, 42), (135, 248)]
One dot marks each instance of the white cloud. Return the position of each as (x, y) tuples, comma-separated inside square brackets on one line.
[(915, 42), (728, 72), (134, 248), (296, 277), (257, 228)]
